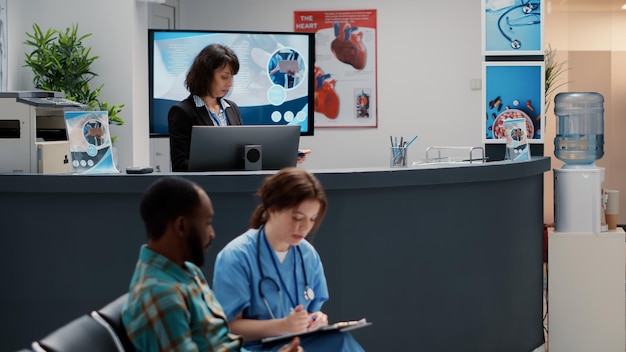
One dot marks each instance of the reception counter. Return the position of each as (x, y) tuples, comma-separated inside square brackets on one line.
[(439, 257)]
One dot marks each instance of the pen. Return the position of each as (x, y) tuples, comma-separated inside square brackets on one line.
[(411, 141)]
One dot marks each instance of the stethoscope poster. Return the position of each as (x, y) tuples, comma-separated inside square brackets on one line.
[(512, 27), (345, 66), (513, 90)]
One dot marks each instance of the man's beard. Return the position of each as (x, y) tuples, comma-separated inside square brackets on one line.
[(195, 246)]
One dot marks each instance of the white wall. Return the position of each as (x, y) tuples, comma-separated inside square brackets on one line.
[(119, 38), (427, 53)]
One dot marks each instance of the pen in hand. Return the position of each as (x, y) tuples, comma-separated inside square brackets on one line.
[(317, 319), (312, 324)]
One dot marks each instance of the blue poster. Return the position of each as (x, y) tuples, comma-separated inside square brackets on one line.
[(90, 142), (513, 90), (512, 27)]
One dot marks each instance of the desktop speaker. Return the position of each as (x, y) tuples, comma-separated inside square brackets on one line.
[(253, 157)]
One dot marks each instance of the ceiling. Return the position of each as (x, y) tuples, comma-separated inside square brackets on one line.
[(584, 5)]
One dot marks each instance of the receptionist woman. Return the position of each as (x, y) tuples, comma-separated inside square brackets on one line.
[(269, 280), (208, 80)]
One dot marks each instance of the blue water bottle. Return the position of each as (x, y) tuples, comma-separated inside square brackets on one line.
[(579, 137)]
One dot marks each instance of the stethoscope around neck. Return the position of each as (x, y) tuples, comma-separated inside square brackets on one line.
[(309, 294)]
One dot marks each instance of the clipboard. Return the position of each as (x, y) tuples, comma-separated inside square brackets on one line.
[(341, 326), (285, 66)]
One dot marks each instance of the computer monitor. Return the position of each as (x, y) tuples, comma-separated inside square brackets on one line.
[(222, 148)]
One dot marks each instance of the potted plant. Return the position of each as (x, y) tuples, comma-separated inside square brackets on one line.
[(553, 69), (61, 63)]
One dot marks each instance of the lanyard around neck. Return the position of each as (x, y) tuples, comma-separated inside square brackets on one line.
[(218, 119)]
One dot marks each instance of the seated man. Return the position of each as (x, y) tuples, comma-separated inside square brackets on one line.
[(170, 305)]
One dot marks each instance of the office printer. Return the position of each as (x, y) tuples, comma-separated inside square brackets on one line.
[(28, 117)]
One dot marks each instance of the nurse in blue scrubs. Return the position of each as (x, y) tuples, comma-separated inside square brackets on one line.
[(269, 280)]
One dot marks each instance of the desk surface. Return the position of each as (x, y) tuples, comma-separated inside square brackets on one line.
[(249, 181)]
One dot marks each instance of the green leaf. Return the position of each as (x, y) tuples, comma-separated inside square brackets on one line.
[(553, 69), (60, 62)]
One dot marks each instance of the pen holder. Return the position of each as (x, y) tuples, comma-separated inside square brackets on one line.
[(398, 157)]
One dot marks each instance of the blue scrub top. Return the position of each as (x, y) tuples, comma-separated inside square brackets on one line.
[(236, 278), (278, 77)]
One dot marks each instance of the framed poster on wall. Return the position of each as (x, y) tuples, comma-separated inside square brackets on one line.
[(345, 66), (512, 27), (513, 90)]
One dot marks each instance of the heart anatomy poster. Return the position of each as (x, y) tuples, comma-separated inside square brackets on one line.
[(345, 66)]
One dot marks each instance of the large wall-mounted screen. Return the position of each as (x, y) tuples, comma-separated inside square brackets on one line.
[(284, 98)]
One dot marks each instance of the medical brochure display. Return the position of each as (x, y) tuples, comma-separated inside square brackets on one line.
[(90, 142), (512, 27), (513, 90), (345, 66), (339, 326), (517, 148)]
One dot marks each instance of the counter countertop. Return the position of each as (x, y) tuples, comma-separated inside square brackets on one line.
[(249, 181)]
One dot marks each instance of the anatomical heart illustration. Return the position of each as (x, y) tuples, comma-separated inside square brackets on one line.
[(348, 45), (363, 105), (326, 99)]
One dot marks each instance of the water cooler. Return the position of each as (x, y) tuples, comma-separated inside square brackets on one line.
[(579, 143), (585, 295)]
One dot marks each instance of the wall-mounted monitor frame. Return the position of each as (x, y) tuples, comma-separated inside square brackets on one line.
[(261, 100)]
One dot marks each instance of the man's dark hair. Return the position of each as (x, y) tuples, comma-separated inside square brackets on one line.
[(165, 200)]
